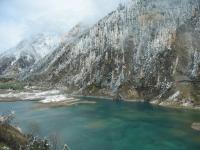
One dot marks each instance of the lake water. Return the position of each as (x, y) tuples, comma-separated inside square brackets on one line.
[(112, 126)]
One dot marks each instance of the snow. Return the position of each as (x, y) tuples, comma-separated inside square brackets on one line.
[(49, 96), (174, 96), (33, 95), (38, 46), (2, 118), (56, 98), (30, 52), (196, 63), (112, 31)]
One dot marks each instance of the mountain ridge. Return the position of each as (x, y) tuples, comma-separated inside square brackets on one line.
[(28, 52), (142, 50)]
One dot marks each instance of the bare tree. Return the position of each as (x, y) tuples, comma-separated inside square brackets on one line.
[(55, 140)]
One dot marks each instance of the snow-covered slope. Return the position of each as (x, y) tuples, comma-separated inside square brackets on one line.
[(76, 31), (144, 49), (68, 38), (27, 53)]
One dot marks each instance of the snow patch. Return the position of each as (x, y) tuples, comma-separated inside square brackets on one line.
[(54, 98), (50, 96), (33, 95), (174, 96)]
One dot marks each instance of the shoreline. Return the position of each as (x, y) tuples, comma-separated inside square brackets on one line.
[(163, 104), (167, 104)]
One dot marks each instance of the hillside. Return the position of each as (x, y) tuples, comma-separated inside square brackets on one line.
[(144, 49)]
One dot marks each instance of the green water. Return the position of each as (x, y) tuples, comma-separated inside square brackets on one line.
[(112, 126)]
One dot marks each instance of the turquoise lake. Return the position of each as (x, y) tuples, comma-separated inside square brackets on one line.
[(107, 125)]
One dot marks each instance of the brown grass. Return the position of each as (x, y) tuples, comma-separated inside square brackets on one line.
[(12, 137)]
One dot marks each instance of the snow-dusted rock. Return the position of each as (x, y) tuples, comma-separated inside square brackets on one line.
[(27, 53)]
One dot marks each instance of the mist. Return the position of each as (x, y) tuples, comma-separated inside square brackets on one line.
[(20, 19)]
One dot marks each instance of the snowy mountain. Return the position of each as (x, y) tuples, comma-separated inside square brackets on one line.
[(145, 49), (68, 38), (27, 53)]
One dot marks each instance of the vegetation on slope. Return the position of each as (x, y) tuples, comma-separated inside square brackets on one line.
[(9, 83)]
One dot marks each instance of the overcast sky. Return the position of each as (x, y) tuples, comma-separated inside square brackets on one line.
[(22, 18)]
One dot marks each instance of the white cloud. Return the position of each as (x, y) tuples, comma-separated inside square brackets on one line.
[(10, 34), (22, 18)]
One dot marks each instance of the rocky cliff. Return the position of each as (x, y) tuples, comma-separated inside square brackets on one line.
[(144, 49)]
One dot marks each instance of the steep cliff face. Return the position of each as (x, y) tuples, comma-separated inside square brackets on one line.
[(26, 54), (144, 49)]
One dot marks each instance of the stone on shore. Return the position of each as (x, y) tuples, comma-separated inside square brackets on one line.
[(196, 126)]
